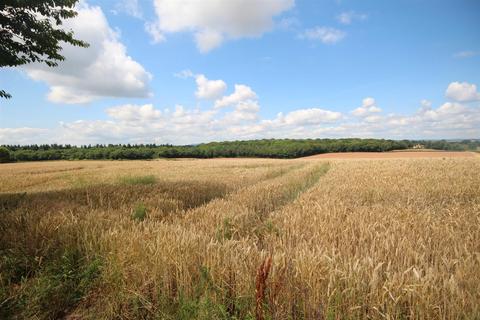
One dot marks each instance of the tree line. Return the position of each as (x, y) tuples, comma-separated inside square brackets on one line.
[(266, 148)]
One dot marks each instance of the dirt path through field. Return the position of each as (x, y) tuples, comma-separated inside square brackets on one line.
[(393, 155)]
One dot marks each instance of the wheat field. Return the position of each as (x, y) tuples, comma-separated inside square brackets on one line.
[(241, 239)]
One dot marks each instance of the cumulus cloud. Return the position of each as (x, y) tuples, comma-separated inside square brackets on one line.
[(349, 16), (208, 40), (326, 35), (451, 108), (183, 116), (449, 120), (312, 116), (130, 7), (131, 112), (368, 107), (426, 103), (155, 33), (462, 91), (139, 124), (206, 89), (102, 70), (241, 93), (24, 135), (373, 118), (244, 111), (213, 21), (209, 89), (239, 118)]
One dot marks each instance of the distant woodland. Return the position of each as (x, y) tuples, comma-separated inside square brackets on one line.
[(266, 148)]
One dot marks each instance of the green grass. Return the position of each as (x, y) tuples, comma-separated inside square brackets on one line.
[(140, 212), (50, 291), (208, 302), (134, 180), (225, 231)]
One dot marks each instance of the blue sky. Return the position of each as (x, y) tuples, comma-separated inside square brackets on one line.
[(184, 71)]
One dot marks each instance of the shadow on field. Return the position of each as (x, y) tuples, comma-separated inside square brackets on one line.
[(186, 194)]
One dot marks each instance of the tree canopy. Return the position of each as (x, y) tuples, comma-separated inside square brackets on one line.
[(30, 32), (4, 155), (266, 148)]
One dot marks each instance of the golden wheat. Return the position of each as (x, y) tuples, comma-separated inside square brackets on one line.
[(246, 238)]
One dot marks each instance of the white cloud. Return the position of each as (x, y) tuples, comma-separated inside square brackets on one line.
[(451, 108), (241, 93), (373, 118), (102, 70), (131, 112), (206, 89), (194, 117), (130, 7), (462, 91), (212, 21), (244, 111), (450, 120), (24, 135), (182, 125), (184, 74), (154, 31), (312, 116), (209, 89), (426, 103), (349, 16), (95, 131), (326, 35), (368, 107), (207, 40)]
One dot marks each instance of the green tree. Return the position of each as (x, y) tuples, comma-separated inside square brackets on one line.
[(30, 32), (4, 155)]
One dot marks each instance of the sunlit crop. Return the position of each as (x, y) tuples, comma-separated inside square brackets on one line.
[(241, 239)]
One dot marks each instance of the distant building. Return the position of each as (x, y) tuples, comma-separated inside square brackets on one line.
[(419, 146)]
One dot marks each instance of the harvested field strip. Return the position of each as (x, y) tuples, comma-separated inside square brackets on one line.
[(393, 155)]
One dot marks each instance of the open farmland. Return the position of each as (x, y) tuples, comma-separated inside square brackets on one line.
[(309, 238), (408, 154)]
